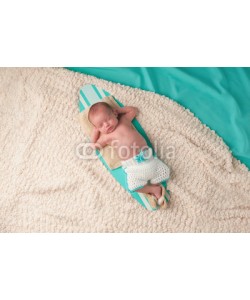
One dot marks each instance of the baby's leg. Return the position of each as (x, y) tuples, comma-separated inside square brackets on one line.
[(151, 189)]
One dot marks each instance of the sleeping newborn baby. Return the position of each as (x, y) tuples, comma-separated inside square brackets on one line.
[(113, 127)]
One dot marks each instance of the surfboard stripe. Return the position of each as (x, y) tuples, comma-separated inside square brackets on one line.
[(91, 95), (85, 98), (105, 93), (97, 91), (82, 107), (82, 101), (102, 93), (145, 201)]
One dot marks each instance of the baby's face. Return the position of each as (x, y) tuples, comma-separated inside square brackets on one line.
[(105, 120)]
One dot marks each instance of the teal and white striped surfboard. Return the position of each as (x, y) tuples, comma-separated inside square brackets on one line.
[(90, 94)]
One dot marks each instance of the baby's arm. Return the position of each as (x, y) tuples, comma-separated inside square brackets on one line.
[(130, 111), (97, 141), (95, 135), (101, 143)]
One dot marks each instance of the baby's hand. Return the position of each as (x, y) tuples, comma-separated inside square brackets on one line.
[(93, 145), (95, 135), (130, 111), (134, 109)]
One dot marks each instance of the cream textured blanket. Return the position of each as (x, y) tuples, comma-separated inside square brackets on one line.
[(46, 187)]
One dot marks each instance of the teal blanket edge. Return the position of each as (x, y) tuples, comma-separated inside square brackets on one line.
[(219, 97)]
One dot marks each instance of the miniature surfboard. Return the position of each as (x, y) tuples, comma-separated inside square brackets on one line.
[(90, 94)]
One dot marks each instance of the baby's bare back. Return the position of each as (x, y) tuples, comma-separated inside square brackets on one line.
[(126, 140)]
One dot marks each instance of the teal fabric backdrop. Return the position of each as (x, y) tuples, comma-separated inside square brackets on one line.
[(219, 97)]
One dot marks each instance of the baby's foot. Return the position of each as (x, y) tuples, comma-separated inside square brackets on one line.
[(156, 191)]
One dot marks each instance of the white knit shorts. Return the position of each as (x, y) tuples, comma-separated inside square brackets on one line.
[(144, 168)]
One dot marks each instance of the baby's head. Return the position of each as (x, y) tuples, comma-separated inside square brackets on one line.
[(103, 117)]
